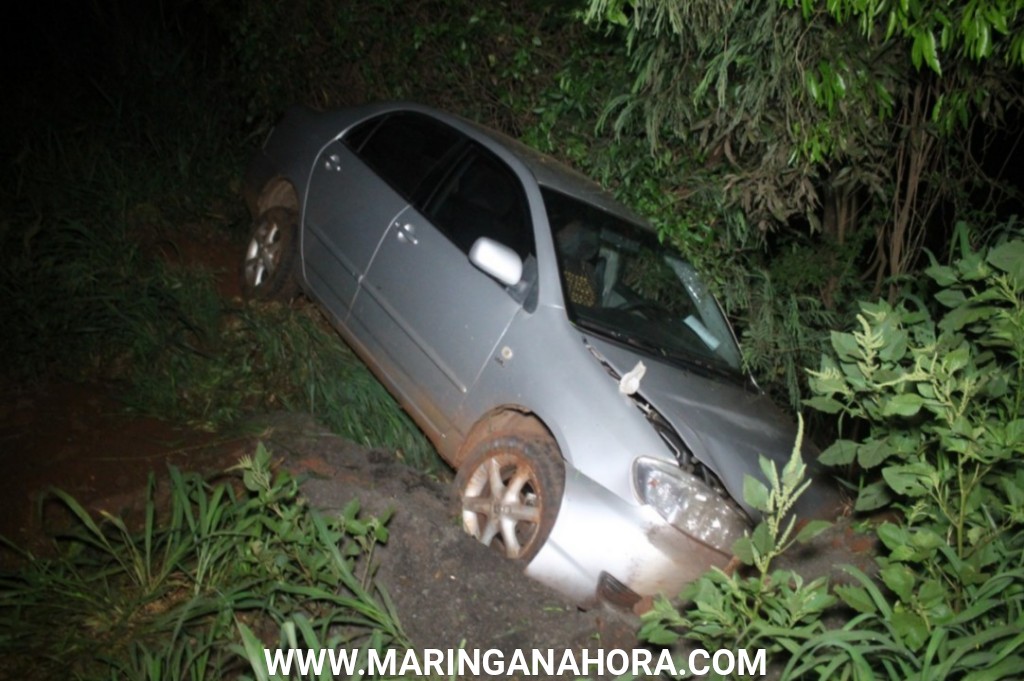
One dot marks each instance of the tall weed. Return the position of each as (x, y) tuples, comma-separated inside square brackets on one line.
[(943, 401), (221, 362)]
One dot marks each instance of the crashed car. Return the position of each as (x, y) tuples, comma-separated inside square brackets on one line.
[(575, 371)]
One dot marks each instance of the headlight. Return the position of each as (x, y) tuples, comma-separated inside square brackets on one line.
[(688, 504)]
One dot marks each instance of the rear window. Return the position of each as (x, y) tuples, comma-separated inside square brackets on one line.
[(402, 148)]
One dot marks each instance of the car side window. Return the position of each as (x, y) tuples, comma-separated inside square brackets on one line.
[(402, 148), (482, 197)]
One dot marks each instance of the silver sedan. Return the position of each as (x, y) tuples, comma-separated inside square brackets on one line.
[(574, 370)]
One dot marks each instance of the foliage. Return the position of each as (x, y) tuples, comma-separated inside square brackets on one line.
[(801, 122), (724, 87), (486, 62), (91, 232), (90, 304), (984, 29), (167, 600), (943, 402), (771, 609)]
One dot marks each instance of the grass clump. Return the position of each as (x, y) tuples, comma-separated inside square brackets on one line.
[(173, 599)]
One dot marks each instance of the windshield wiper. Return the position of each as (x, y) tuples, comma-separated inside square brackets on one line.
[(686, 358), (597, 327), (694, 360), (621, 336)]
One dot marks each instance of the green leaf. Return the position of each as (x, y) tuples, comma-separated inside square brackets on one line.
[(892, 535), (755, 493), (933, 597), (846, 346), (811, 530), (895, 345), (929, 50), (1009, 258), (951, 297), (943, 275), (872, 497), (910, 627), (825, 404), (900, 579), (912, 480), (762, 540), (872, 453), (1007, 668), (857, 598), (743, 549), (904, 404), (839, 453), (957, 359), (793, 471), (972, 268), (926, 539)]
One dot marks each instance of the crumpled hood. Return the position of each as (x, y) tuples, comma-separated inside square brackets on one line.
[(726, 424)]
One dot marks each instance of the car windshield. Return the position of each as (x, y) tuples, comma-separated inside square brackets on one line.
[(621, 282)]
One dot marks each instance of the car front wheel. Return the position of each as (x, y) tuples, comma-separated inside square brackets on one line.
[(510, 489), (270, 257)]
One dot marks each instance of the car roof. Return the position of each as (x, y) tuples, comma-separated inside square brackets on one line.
[(548, 171)]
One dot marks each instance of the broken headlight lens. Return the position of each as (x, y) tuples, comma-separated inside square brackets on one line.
[(688, 504)]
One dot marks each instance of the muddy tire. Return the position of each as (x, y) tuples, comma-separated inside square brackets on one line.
[(510, 489), (271, 257)]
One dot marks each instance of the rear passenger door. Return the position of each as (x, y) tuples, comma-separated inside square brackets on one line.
[(435, 315), (357, 187)]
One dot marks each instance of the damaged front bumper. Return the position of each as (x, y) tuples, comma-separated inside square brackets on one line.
[(604, 548)]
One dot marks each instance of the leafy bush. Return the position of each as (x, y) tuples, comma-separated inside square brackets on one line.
[(170, 600), (943, 402)]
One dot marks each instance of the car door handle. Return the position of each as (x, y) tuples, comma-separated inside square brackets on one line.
[(333, 162), (407, 233)]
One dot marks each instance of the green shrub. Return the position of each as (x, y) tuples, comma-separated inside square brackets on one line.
[(219, 366), (943, 402)]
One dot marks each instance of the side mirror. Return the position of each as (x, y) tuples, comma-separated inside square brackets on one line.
[(497, 260)]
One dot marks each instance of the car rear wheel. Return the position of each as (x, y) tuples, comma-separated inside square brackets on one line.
[(270, 256), (510, 489)]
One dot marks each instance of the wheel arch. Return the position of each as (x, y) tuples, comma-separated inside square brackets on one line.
[(503, 419), (278, 192)]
